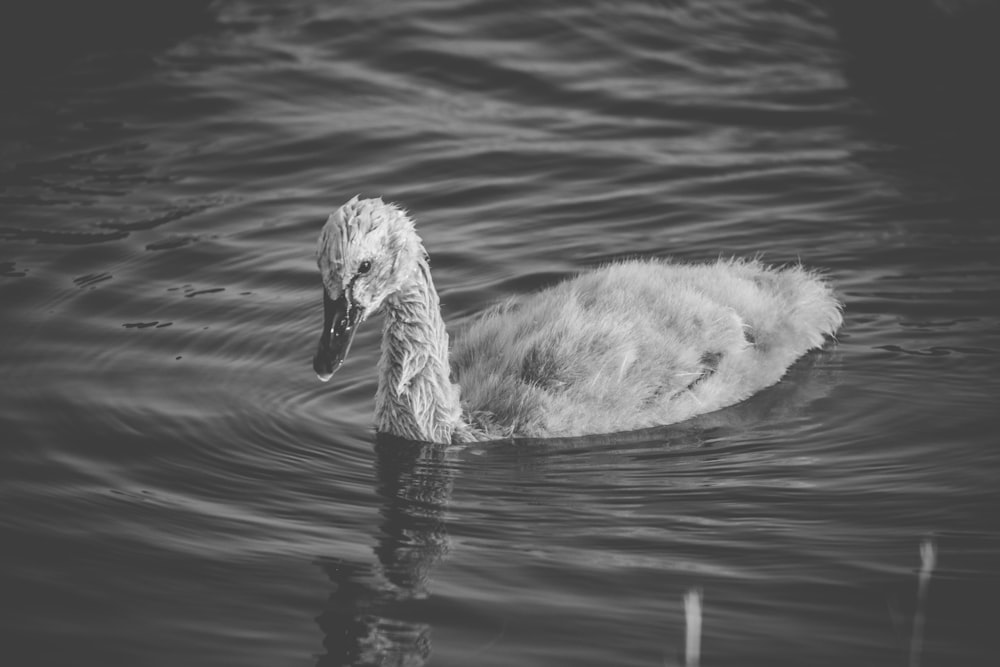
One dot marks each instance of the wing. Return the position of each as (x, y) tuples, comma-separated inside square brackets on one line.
[(607, 351)]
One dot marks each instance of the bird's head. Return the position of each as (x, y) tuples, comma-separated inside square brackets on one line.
[(367, 251)]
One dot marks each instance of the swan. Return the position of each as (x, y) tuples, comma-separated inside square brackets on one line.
[(633, 344)]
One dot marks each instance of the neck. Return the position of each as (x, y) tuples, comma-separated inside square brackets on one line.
[(416, 399)]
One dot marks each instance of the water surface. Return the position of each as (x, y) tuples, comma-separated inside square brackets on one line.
[(177, 488)]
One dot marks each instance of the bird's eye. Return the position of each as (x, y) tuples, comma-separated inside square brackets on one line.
[(364, 267)]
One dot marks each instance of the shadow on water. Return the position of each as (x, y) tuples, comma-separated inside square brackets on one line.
[(371, 617), (931, 71), (924, 58), (42, 37)]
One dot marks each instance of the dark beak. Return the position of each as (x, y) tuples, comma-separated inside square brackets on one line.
[(340, 319)]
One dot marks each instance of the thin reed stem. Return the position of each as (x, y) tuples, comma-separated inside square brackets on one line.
[(928, 557), (692, 619)]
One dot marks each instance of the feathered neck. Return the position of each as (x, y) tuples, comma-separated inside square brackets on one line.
[(416, 400)]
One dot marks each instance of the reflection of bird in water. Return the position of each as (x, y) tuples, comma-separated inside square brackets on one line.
[(631, 345), (370, 616), (376, 614)]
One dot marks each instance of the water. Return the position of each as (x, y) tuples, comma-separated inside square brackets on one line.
[(177, 488)]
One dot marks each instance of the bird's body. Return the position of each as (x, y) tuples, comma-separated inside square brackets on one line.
[(630, 345)]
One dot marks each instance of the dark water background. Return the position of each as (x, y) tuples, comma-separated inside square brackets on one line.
[(176, 488)]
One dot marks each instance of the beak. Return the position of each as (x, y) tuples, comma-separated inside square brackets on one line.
[(340, 320)]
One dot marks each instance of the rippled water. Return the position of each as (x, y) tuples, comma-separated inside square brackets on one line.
[(177, 488)]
